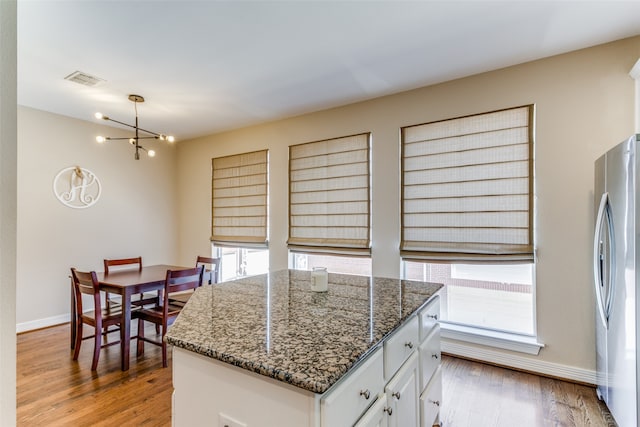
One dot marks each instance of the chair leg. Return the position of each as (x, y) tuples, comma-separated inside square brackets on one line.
[(76, 351), (96, 347), (164, 354), (164, 348), (140, 350), (157, 324)]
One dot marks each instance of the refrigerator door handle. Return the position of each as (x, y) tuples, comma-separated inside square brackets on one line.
[(600, 270)]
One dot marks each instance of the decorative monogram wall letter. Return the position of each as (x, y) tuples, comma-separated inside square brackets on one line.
[(76, 187)]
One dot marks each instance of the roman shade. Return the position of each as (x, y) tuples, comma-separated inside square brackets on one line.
[(467, 188), (239, 200), (329, 196)]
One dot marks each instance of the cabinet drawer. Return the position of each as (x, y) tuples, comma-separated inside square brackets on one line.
[(400, 346), (376, 416), (430, 401), (429, 317), (343, 405), (430, 356)]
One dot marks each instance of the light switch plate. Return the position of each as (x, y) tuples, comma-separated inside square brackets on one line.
[(227, 421)]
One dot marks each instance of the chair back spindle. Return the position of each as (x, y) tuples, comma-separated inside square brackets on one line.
[(214, 268)]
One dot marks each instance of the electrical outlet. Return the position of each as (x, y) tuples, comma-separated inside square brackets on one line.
[(227, 421)]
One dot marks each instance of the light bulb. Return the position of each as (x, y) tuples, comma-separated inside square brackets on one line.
[(151, 153), (170, 138), (101, 139), (99, 115)]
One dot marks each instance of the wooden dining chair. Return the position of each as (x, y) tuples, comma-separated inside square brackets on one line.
[(100, 319), (166, 313), (210, 275), (213, 271), (143, 299)]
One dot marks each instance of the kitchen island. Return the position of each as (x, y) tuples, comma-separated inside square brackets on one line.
[(267, 351)]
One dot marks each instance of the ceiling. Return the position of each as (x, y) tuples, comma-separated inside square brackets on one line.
[(209, 66)]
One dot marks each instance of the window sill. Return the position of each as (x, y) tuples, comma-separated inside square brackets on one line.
[(503, 340)]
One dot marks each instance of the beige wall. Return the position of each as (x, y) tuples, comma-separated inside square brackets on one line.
[(584, 105), (135, 214)]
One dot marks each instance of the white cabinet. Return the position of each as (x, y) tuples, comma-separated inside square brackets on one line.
[(397, 385), (429, 317), (430, 401), (429, 356), (430, 382), (399, 346), (208, 391), (376, 416), (354, 394), (402, 395)]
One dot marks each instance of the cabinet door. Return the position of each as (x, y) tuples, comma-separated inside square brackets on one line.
[(356, 391), (430, 356), (376, 416), (430, 401), (402, 395), (400, 346), (429, 316)]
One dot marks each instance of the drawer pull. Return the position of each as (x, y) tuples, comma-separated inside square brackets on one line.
[(435, 356), (432, 316), (365, 393), (388, 410), (396, 395), (435, 402), (408, 344)]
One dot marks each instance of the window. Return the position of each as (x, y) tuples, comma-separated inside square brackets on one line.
[(239, 226), (329, 196), (467, 215), (334, 264), (241, 262), (490, 296)]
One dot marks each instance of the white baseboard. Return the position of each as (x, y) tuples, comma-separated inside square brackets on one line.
[(491, 338), (515, 361), (42, 323)]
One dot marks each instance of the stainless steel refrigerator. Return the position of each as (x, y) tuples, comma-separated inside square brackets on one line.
[(616, 259)]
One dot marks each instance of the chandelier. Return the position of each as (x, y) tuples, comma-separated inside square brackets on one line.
[(135, 141)]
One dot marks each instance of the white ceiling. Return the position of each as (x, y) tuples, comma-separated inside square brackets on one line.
[(209, 66)]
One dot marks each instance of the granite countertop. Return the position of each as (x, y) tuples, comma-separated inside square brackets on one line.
[(274, 325)]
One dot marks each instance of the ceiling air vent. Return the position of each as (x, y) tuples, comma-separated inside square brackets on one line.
[(84, 79)]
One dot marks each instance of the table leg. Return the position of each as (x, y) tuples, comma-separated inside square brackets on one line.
[(125, 330)]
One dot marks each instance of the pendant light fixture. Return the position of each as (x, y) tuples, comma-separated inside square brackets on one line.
[(135, 141)]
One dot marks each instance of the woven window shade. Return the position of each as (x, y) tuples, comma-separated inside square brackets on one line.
[(239, 200), (329, 202), (467, 188)]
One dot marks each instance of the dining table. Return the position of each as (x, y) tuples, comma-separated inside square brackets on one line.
[(127, 282)]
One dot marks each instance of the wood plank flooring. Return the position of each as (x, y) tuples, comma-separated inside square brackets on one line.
[(476, 394), (53, 390)]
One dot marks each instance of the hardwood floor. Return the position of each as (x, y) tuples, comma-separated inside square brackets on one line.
[(476, 394), (53, 390)]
